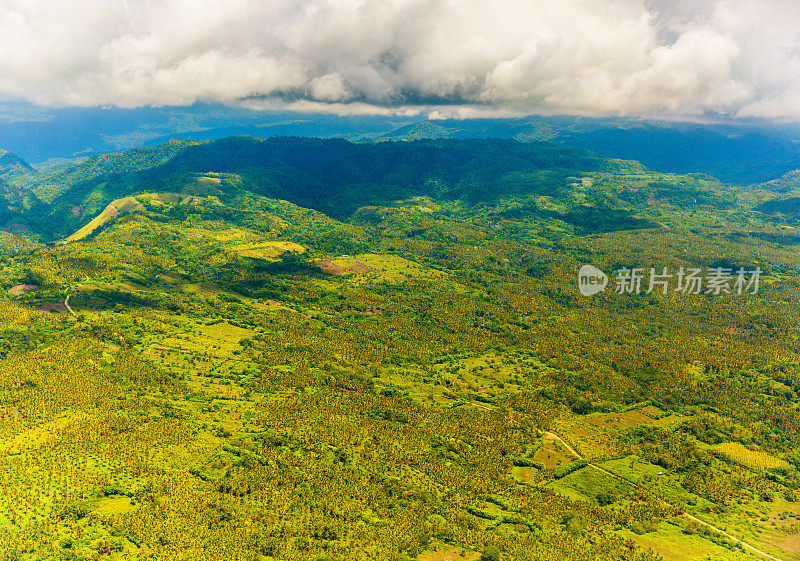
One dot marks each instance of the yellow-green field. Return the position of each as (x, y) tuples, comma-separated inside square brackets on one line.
[(109, 214), (753, 459), (671, 542), (268, 250), (371, 267)]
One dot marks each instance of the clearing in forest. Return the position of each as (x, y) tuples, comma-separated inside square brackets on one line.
[(376, 267)]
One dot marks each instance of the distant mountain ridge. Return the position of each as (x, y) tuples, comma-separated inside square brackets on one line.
[(739, 152), (743, 154), (424, 130)]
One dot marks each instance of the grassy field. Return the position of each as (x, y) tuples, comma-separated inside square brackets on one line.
[(593, 435), (109, 214), (587, 484), (771, 525), (673, 544), (269, 251), (753, 459), (372, 268)]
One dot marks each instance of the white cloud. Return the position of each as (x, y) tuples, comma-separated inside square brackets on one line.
[(445, 57)]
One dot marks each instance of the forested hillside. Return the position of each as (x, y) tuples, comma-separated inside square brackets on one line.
[(314, 349)]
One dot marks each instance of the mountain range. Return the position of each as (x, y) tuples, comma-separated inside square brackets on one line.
[(741, 152)]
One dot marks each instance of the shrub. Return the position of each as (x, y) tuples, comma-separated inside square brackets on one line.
[(563, 471)]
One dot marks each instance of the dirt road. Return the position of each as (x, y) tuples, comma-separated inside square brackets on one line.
[(686, 515)]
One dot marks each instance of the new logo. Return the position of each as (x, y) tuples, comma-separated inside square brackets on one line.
[(591, 280)]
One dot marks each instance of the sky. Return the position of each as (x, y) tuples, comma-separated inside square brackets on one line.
[(441, 58)]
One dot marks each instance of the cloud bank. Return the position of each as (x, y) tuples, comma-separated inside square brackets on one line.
[(460, 58)]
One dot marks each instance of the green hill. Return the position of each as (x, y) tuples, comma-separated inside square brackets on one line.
[(333, 176), (13, 167), (19, 206), (419, 131), (50, 185)]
